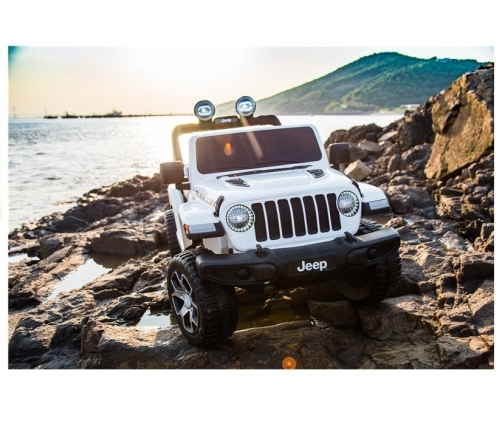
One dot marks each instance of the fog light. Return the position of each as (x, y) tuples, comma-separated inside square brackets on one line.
[(243, 273), (372, 253)]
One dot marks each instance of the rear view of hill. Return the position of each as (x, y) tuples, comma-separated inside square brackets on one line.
[(378, 81)]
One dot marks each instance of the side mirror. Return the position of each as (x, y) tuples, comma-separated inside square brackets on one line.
[(339, 153), (171, 172)]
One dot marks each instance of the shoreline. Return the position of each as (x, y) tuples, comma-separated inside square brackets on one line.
[(190, 114)]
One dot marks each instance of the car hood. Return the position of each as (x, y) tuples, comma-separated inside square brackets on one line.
[(271, 180), (243, 187)]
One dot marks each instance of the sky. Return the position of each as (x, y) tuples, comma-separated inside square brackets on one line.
[(98, 58), (161, 80), (162, 57)]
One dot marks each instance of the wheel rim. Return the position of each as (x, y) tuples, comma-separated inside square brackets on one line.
[(184, 302)]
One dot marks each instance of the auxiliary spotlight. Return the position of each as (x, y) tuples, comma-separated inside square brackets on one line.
[(245, 106), (204, 110)]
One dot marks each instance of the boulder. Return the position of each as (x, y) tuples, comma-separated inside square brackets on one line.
[(463, 121), (357, 170), (415, 128), (406, 200), (370, 147), (389, 136)]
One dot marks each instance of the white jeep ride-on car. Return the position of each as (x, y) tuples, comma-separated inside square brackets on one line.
[(260, 205)]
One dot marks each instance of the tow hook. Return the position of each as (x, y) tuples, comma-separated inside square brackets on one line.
[(260, 253), (349, 237)]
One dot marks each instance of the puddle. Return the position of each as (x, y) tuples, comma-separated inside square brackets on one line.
[(86, 273), (252, 316), (110, 261), (156, 319), (15, 258)]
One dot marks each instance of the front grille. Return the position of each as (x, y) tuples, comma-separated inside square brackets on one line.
[(298, 216)]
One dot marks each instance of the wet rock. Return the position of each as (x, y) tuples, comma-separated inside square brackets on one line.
[(339, 314)]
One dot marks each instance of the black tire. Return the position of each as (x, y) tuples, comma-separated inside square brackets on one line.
[(371, 285), (206, 314), (172, 240)]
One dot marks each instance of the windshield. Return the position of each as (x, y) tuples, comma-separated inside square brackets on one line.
[(256, 149)]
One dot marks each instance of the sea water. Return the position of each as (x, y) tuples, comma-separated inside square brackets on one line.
[(53, 162)]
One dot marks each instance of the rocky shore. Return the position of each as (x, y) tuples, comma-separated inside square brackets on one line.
[(436, 166)]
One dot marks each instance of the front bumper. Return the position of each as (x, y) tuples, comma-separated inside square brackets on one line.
[(300, 265)]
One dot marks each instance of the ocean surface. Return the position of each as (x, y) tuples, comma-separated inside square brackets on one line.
[(53, 162)]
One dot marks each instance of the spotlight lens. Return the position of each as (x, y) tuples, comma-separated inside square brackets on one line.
[(245, 106), (204, 110)]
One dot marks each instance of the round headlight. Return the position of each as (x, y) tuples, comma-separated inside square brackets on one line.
[(240, 218), (245, 106), (204, 110), (348, 203)]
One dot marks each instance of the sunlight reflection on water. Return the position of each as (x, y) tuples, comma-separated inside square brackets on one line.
[(86, 273)]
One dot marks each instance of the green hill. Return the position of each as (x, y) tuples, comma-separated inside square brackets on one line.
[(379, 81)]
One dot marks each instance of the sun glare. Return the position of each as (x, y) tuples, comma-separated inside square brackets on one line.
[(289, 363)]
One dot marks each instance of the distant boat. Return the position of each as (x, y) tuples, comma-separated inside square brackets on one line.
[(113, 114), (50, 117), (67, 115)]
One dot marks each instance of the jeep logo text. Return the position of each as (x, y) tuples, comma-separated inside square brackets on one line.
[(316, 265)]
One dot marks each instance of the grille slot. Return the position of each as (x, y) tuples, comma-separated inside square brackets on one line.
[(295, 217)]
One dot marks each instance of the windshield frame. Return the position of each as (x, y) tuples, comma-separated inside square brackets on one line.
[(260, 149)]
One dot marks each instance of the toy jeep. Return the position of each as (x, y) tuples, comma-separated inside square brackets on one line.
[(262, 206)]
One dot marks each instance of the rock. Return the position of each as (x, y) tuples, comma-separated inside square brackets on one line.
[(355, 134), (370, 147), (486, 240), (357, 153), (411, 200), (415, 128), (339, 314), (463, 121), (49, 245), (390, 136), (396, 319), (124, 242), (415, 159), (357, 170)]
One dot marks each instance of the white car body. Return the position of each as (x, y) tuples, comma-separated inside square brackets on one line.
[(195, 207)]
